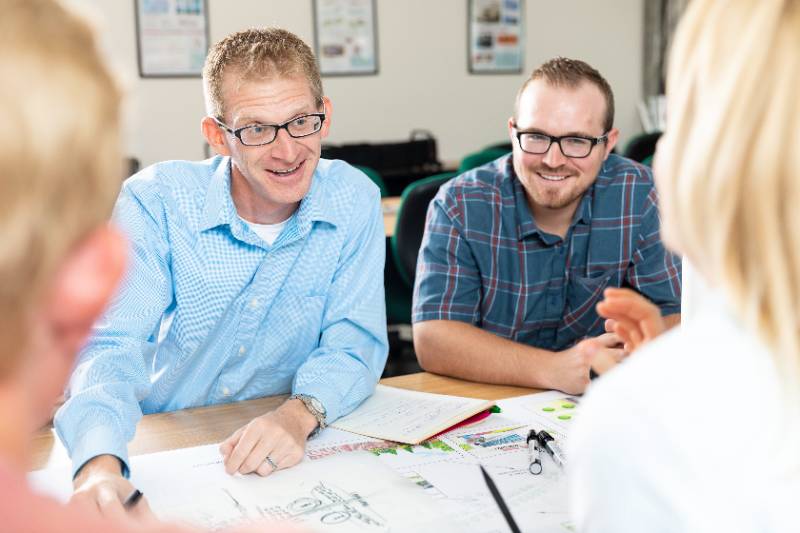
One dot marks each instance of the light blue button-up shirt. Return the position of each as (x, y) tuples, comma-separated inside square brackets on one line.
[(209, 313)]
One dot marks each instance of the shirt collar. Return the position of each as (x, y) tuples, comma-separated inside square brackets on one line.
[(526, 225), (219, 208)]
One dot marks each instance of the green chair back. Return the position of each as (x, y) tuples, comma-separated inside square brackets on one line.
[(477, 159), (410, 225)]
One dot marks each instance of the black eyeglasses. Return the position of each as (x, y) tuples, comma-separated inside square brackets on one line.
[(261, 134), (574, 146)]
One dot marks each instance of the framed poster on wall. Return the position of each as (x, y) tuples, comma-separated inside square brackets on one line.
[(345, 36), (171, 37), (495, 36)]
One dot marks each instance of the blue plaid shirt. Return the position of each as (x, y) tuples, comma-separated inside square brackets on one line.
[(484, 261), (209, 313)]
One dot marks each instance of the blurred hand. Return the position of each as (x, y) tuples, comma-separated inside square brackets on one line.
[(100, 487), (280, 435), (631, 316)]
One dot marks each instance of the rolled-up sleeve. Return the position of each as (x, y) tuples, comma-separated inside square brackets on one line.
[(343, 370), (111, 378), (448, 284), (655, 272)]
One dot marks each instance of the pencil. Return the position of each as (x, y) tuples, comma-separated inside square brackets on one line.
[(132, 499), (500, 502)]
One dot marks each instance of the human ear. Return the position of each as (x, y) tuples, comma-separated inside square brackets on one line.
[(327, 107), (611, 141), (82, 287), (214, 135)]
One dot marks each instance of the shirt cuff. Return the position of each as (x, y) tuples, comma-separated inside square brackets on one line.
[(670, 309), (99, 440)]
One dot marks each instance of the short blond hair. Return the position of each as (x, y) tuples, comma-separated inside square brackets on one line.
[(570, 73), (258, 54), (729, 163), (60, 163)]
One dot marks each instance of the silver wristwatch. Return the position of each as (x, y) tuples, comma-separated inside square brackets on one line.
[(314, 407)]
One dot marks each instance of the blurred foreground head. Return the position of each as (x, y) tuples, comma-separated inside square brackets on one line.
[(728, 166), (60, 170)]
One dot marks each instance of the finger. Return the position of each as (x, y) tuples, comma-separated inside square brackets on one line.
[(628, 331), (617, 354), (637, 308), (141, 511), (266, 468), (653, 327), (109, 503), (248, 440), (609, 325), (227, 446), (609, 340), (264, 448)]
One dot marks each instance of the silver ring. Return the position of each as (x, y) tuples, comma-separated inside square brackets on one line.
[(271, 463)]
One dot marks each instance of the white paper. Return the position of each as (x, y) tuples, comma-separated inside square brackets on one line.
[(408, 416)]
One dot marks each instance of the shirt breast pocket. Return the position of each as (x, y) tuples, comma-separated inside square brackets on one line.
[(583, 294)]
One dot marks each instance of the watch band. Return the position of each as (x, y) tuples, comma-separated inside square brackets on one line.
[(314, 407)]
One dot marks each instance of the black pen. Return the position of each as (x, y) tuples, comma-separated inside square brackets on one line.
[(132, 499), (534, 454), (551, 446), (500, 503)]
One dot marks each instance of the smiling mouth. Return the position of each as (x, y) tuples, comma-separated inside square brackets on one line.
[(284, 173), (552, 177)]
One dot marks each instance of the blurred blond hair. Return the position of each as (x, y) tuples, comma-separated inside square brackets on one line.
[(729, 164), (60, 162)]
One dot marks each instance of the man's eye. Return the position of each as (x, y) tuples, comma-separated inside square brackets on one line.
[(575, 141)]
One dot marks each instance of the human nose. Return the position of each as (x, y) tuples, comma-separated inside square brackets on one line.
[(284, 146), (554, 157)]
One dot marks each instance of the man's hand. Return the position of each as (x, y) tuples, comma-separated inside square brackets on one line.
[(570, 372), (631, 316), (280, 435), (100, 486)]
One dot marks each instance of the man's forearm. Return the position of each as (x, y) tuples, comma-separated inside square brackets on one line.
[(464, 351)]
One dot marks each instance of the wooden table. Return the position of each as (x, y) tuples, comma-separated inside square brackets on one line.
[(207, 425), (390, 205)]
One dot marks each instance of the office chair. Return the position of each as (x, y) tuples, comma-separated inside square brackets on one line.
[(477, 159), (411, 223), (642, 147)]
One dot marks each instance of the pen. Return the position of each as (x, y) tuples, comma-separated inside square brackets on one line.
[(132, 499), (551, 446), (534, 454), (500, 503)]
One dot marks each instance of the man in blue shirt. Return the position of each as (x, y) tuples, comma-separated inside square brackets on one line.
[(256, 272), (517, 253)]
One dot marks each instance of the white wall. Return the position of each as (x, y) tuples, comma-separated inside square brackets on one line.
[(422, 83)]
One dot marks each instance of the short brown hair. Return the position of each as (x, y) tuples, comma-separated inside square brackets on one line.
[(258, 53), (565, 72), (60, 157)]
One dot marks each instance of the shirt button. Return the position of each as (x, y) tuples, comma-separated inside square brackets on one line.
[(241, 350), (226, 391), (254, 303)]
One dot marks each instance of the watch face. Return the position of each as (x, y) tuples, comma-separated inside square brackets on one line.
[(317, 405)]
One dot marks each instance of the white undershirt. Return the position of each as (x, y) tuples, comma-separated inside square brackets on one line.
[(267, 232)]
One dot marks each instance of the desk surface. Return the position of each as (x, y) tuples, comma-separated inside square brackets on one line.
[(207, 425), (390, 205)]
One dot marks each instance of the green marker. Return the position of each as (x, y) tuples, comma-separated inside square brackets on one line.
[(564, 417), (548, 409)]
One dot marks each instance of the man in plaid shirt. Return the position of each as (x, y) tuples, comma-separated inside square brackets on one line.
[(517, 253)]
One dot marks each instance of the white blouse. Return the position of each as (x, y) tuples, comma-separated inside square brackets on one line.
[(683, 437)]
